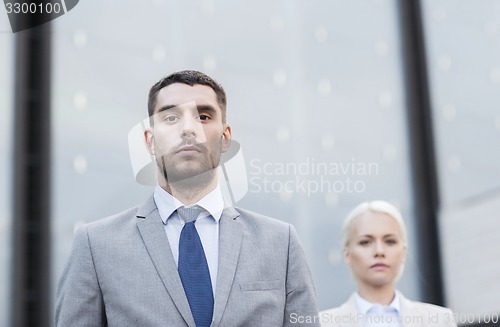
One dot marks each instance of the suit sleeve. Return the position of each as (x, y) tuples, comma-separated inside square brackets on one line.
[(79, 300), (301, 308)]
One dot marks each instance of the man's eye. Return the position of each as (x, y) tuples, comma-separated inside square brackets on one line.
[(364, 242), (170, 119), (204, 117)]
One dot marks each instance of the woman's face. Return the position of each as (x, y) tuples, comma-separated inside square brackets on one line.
[(375, 251)]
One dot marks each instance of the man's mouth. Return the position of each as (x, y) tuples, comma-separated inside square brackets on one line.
[(188, 148)]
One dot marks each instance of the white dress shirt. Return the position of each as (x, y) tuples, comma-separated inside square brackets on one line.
[(207, 225), (379, 315)]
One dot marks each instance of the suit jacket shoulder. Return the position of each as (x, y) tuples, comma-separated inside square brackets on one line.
[(123, 218), (413, 314), (425, 314), (113, 220)]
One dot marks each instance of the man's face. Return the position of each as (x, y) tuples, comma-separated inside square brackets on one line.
[(187, 136)]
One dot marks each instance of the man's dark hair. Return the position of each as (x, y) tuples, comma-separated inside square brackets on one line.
[(189, 77)]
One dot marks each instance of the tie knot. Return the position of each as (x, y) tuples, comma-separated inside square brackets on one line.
[(189, 214)]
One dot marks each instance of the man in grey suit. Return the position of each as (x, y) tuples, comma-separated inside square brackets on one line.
[(136, 268)]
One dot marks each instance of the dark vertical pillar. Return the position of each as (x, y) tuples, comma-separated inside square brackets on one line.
[(422, 150), (30, 287)]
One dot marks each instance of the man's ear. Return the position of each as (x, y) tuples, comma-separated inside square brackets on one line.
[(226, 138), (149, 140)]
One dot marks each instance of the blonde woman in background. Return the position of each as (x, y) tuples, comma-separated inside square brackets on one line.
[(375, 244)]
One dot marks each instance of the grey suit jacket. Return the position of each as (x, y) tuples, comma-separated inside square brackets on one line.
[(413, 314), (121, 272)]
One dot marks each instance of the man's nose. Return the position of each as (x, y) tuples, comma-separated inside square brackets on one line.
[(189, 126)]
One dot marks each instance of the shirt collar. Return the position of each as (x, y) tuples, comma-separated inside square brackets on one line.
[(213, 202), (364, 306)]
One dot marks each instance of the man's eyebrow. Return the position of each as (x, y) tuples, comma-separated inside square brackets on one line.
[(203, 107), (206, 108), (166, 107)]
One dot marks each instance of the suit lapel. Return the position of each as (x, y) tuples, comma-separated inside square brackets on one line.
[(230, 236), (153, 234), (408, 310), (351, 307)]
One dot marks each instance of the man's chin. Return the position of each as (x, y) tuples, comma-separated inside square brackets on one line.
[(186, 171), (192, 176)]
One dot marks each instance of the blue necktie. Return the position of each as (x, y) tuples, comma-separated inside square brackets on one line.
[(193, 269)]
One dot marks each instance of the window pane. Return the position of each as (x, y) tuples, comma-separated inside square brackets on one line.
[(463, 52)]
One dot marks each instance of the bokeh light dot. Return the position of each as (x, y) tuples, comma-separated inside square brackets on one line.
[(449, 112), (454, 164), (207, 7), (495, 75), (497, 123), (279, 78), (209, 63), (440, 14), (334, 257), (80, 100), (80, 164), (324, 87), (80, 39), (444, 63), (277, 24), (385, 99), (321, 34), (159, 53), (389, 152), (327, 142), (331, 199), (282, 134), (491, 28), (381, 48)]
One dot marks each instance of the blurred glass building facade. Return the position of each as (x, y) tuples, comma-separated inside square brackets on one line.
[(317, 99), (6, 95), (464, 70)]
